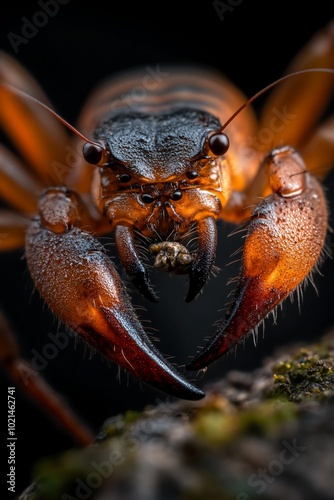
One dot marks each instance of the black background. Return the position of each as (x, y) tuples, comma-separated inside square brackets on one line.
[(79, 46)]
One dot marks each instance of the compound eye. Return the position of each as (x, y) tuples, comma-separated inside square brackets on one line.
[(218, 144), (92, 152)]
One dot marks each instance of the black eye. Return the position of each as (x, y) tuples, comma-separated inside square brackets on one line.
[(124, 178), (218, 144), (191, 174), (92, 152), (147, 198), (176, 196)]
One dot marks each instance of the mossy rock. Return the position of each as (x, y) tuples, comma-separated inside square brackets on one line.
[(266, 434)]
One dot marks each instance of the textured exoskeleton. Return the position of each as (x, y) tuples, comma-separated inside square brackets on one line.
[(157, 167)]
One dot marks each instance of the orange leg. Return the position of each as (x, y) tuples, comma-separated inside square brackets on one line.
[(35, 132), (40, 140), (301, 100), (12, 230), (318, 151), (18, 187), (290, 116), (32, 384)]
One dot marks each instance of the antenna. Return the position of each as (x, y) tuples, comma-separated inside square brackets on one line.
[(21, 93), (270, 86)]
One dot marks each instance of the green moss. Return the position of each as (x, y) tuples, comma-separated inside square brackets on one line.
[(218, 428), (308, 374), (116, 425), (187, 448), (78, 470)]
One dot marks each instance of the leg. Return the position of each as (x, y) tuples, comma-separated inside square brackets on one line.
[(12, 230), (295, 106), (318, 151), (18, 187), (285, 239), (35, 132), (36, 387), (289, 117)]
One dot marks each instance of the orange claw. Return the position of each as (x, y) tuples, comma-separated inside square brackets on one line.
[(285, 238), (80, 284)]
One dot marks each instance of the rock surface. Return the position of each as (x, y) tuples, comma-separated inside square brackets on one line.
[(268, 434)]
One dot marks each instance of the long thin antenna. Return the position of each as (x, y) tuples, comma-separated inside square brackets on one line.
[(19, 92), (270, 86)]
